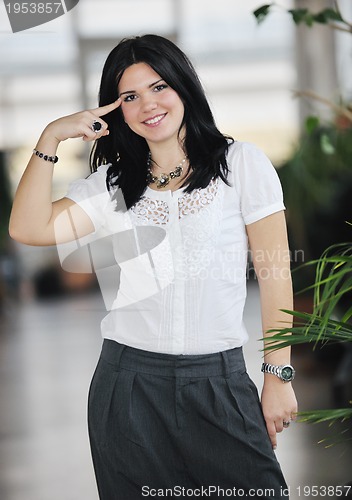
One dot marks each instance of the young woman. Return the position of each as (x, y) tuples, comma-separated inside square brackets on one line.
[(172, 410)]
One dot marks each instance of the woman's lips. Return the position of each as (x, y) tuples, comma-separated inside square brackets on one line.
[(155, 120)]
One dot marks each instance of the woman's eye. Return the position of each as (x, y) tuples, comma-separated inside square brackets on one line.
[(129, 98), (160, 87)]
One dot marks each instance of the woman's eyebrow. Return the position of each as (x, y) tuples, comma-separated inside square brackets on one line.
[(134, 91)]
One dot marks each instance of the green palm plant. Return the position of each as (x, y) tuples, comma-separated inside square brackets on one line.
[(332, 285), (330, 320), (332, 290)]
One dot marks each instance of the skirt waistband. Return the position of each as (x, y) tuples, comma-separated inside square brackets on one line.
[(173, 365)]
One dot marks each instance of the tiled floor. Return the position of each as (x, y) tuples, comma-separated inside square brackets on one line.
[(48, 352)]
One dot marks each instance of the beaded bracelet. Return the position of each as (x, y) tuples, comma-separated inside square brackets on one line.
[(53, 159)]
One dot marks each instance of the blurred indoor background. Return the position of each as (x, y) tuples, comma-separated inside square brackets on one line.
[(49, 318)]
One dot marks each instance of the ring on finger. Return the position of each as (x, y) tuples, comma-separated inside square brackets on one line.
[(285, 424), (96, 126)]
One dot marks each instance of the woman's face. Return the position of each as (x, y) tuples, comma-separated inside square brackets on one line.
[(151, 108)]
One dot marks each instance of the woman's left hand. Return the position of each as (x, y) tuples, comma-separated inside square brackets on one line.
[(279, 405)]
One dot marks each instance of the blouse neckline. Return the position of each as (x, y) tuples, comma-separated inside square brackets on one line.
[(167, 194)]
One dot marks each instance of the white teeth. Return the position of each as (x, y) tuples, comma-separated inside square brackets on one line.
[(154, 120)]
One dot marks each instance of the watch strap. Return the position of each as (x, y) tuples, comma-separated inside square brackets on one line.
[(273, 369)]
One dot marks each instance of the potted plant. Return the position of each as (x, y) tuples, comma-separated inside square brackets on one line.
[(317, 182)]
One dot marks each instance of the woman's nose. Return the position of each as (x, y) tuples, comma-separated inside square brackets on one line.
[(149, 103)]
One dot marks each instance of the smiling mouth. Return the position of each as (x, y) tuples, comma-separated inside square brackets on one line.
[(155, 120)]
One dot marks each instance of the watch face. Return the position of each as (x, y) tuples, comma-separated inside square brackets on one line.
[(287, 373)]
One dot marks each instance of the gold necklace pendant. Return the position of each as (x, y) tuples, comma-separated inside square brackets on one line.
[(163, 179)]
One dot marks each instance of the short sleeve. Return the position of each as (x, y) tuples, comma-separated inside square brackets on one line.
[(256, 182), (91, 195)]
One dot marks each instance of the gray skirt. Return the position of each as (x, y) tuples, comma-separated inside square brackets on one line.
[(182, 426)]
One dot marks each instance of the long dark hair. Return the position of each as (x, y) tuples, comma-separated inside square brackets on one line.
[(127, 152)]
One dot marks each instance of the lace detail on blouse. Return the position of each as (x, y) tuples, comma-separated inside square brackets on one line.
[(150, 211), (200, 212), (193, 242), (192, 203)]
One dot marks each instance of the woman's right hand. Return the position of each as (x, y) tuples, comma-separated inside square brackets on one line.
[(80, 124), (33, 213)]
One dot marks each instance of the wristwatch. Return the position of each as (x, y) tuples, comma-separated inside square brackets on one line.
[(285, 372)]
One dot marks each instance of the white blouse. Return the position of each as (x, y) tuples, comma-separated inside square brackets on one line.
[(172, 269)]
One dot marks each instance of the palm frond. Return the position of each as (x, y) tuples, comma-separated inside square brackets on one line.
[(308, 329), (332, 415), (333, 283)]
